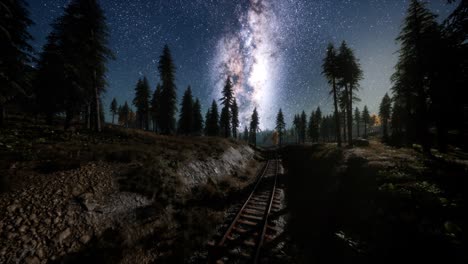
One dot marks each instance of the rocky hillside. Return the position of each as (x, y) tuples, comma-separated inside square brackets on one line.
[(117, 196)]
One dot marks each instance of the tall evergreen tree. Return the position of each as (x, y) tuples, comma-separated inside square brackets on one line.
[(124, 114), (113, 109), (15, 51), (311, 126), (303, 127), (297, 128), (254, 127), (234, 117), (365, 119), (350, 75), (227, 102), (280, 126), (331, 72), (168, 101), (142, 103), (212, 120), (50, 80), (197, 128), (186, 113), (384, 112), (413, 79), (357, 119), (83, 39), (80, 39), (155, 108)]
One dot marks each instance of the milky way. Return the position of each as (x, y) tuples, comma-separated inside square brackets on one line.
[(251, 57)]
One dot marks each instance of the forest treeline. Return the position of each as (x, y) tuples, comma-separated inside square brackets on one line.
[(429, 99), (66, 81)]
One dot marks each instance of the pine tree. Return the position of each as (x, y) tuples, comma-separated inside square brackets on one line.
[(197, 128), (234, 117), (303, 127), (226, 115), (311, 126), (245, 137), (83, 39), (168, 92), (316, 124), (297, 127), (80, 39), (331, 72), (384, 112), (15, 51), (142, 103), (357, 119), (50, 80), (113, 109), (413, 79), (280, 126), (186, 113), (350, 75), (225, 122), (212, 120), (365, 119), (254, 127), (156, 108), (124, 114)]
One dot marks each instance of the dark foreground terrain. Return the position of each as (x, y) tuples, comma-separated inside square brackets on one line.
[(121, 196), (375, 204), (128, 196)]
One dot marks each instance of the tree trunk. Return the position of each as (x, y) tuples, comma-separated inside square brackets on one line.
[(337, 115), (357, 127), (350, 115), (345, 132), (113, 118), (96, 98), (365, 129)]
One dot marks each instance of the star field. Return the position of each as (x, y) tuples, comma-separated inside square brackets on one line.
[(280, 46)]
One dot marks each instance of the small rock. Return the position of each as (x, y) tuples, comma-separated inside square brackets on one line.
[(11, 208), (23, 228), (85, 238), (32, 260), (63, 235), (40, 253)]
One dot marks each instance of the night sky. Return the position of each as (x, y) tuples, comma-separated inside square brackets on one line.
[(272, 48)]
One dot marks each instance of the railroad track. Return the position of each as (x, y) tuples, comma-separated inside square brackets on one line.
[(251, 228)]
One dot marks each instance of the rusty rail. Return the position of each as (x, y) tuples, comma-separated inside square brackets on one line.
[(248, 229)]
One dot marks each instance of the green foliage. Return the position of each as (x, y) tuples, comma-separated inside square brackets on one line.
[(254, 127), (331, 72), (227, 100), (280, 126), (186, 113), (197, 128), (212, 120), (234, 117), (156, 108), (168, 101), (113, 109), (142, 103), (15, 51)]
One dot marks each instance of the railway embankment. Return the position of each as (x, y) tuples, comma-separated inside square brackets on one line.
[(119, 196)]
